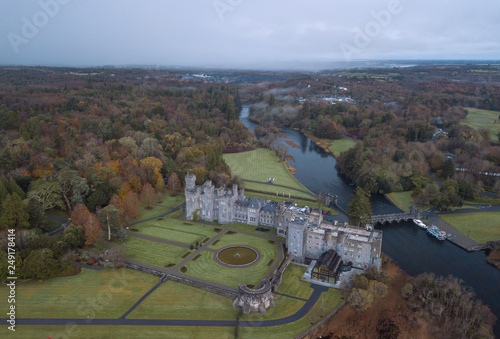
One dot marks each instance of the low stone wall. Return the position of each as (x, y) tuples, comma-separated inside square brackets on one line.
[(144, 269), (278, 276), (320, 324)]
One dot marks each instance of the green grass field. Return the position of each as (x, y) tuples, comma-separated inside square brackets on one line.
[(480, 118), (282, 191), (176, 230), (401, 199), (120, 332), (341, 145), (292, 285), (152, 252), (167, 201), (206, 268), (259, 165), (481, 226), (113, 291), (177, 301)]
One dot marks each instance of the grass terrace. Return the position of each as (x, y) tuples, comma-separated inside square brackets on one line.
[(153, 253), (481, 226), (292, 285), (167, 201), (260, 165), (185, 232), (69, 297), (483, 119)]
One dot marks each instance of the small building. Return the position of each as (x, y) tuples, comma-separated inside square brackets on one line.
[(328, 267)]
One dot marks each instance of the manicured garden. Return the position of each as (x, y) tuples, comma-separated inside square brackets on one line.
[(153, 253), (480, 226), (483, 119), (113, 291), (205, 267)]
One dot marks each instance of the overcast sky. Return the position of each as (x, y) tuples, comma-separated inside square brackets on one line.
[(240, 33)]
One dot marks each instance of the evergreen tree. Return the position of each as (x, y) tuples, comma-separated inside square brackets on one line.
[(360, 210), (40, 264), (14, 213), (37, 216), (74, 237), (448, 169)]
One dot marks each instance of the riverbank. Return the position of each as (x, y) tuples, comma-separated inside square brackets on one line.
[(393, 309), (333, 147)]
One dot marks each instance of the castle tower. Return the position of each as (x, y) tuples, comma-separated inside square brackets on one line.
[(190, 182), (192, 196)]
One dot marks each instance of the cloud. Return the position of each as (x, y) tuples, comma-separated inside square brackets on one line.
[(93, 32)]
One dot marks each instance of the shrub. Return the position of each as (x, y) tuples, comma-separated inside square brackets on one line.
[(360, 299), (361, 282), (378, 289)]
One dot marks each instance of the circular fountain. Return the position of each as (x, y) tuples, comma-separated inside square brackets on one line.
[(237, 256)]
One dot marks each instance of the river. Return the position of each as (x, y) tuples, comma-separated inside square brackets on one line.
[(409, 246)]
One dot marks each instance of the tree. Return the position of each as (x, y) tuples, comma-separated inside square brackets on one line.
[(40, 264), (73, 188), (448, 169), (74, 237), (118, 203), (37, 216), (46, 193), (81, 216), (109, 217), (148, 195), (359, 210), (14, 213), (360, 299), (131, 205), (174, 183), (92, 230)]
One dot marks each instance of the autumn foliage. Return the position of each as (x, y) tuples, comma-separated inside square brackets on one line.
[(81, 216)]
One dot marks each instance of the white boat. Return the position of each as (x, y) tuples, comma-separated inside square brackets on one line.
[(420, 224)]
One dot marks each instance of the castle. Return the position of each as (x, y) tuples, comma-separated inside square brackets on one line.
[(307, 235)]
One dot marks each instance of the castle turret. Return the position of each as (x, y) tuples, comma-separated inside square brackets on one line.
[(190, 182)]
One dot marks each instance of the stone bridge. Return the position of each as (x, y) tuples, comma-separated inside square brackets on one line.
[(395, 217)]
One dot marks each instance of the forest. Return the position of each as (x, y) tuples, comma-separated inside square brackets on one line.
[(97, 145), (408, 124)]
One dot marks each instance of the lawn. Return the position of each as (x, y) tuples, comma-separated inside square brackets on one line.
[(259, 165), (177, 301), (292, 285), (480, 226), (119, 332), (113, 291), (480, 118), (401, 199), (176, 230), (206, 268), (167, 201), (341, 145), (153, 253), (282, 191)]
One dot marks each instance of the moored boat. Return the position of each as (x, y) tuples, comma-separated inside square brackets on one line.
[(436, 232), (420, 224)]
